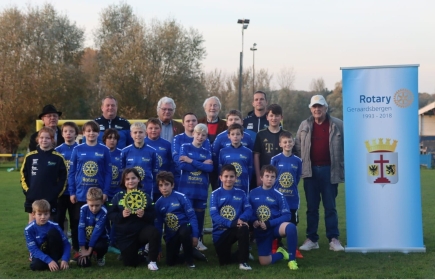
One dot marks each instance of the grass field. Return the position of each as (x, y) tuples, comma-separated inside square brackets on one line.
[(320, 263)]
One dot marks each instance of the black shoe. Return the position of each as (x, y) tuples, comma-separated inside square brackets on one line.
[(198, 255)]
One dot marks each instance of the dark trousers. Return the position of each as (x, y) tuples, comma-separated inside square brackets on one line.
[(213, 179), (183, 236), (227, 239), (319, 188), (149, 234), (53, 247), (64, 204), (100, 247), (75, 224)]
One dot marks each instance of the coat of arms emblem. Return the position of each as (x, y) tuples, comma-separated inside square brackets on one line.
[(382, 162)]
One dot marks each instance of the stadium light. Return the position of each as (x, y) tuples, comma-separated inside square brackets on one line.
[(244, 23)]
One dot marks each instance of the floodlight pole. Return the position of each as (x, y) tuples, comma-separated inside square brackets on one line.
[(253, 49), (244, 23)]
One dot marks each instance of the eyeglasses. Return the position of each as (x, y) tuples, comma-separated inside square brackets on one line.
[(51, 116), (166, 109)]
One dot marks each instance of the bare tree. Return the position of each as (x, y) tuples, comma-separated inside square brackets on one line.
[(317, 85), (286, 78)]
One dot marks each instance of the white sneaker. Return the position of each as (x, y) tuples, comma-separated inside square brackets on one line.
[(200, 246), (153, 266), (309, 245), (244, 266), (335, 245)]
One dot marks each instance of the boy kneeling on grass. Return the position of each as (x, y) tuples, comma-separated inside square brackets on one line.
[(230, 212), (270, 220), (181, 226), (45, 240), (93, 236)]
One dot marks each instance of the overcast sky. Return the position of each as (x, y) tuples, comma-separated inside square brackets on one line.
[(315, 38)]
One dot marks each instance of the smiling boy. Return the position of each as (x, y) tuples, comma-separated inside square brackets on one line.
[(267, 141)]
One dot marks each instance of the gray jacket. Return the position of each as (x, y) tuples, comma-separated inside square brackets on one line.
[(336, 150)]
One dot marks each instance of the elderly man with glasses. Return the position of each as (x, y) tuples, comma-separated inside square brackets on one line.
[(165, 112), (50, 117)]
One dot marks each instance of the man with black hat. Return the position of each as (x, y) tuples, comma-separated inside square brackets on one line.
[(50, 117)]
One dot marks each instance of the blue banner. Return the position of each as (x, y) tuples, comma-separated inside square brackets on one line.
[(382, 164)]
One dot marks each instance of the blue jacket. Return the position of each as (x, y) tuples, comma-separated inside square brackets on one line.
[(270, 207), (92, 227), (226, 207), (36, 235), (175, 211), (90, 166), (194, 176)]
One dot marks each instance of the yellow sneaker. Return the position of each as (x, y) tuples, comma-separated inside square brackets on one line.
[(293, 265)]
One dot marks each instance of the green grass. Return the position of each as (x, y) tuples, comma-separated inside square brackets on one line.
[(320, 263)]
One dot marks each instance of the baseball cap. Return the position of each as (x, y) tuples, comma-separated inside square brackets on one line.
[(317, 99)]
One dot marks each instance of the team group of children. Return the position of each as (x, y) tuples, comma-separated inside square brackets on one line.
[(127, 200)]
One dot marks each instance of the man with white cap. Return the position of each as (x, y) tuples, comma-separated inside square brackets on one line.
[(319, 143)]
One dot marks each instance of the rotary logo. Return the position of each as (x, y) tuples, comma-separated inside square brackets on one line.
[(115, 172), (382, 162), (403, 98), (135, 200), (196, 173), (286, 179), (238, 167), (171, 221), (228, 212), (141, 172), (89, 230), (263, 213), (90, 168)]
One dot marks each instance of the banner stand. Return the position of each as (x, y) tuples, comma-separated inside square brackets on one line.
[(381, 154)]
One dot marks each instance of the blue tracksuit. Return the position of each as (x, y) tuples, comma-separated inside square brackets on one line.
[(288, 176), (92, 227), (270, 207), (223, 141), (241, 158), (145, 161), (36, 235), (226, 207), (66, 151), (194, 176), (90, 166), (177, 142), (175, 211), (164, 156)]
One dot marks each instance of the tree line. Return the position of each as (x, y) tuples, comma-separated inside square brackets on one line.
[(43, 61)]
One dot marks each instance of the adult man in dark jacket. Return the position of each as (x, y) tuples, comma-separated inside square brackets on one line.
[(110, 119), (256, 119), (50, 117)]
